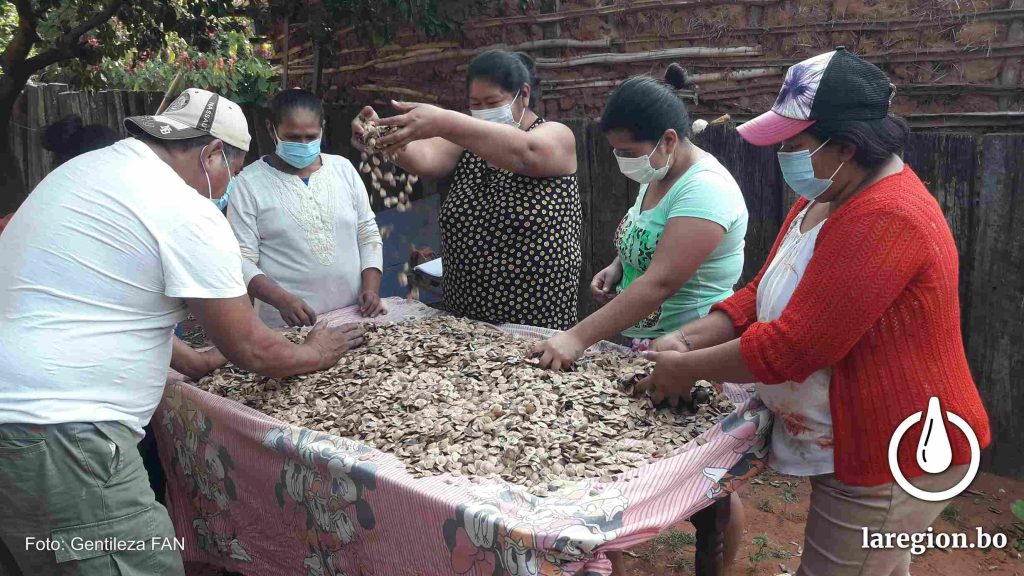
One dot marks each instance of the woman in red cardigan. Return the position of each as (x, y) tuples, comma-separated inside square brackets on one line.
[(852, 325)]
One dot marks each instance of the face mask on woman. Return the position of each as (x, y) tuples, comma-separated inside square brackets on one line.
[(501, 114), (640, 170), (798, 171), (298, 154)]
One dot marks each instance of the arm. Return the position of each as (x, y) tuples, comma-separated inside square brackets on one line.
[(714, 329), (232, 325), (741, 307), (432, 158), (294, 310), (670, 269), (549, 150), (861, 264), (193, 363)]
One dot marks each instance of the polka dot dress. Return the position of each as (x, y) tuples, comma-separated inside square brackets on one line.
[(511, 245)]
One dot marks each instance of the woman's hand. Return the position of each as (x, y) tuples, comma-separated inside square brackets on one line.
[(560, 351), (295, 312), (605, 283), (359, 126), (418, 121), (671, 342), (370, 304), (672, 379)]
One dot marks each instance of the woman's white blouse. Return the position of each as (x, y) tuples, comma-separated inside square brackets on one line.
[(313, 240), (802, 432)]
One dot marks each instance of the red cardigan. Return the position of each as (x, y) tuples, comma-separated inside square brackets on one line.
[(878, 303)]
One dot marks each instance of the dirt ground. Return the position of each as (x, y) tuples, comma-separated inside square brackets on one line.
[(776, 508)]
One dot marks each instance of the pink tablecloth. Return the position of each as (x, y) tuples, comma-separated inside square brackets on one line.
[(259, 496)]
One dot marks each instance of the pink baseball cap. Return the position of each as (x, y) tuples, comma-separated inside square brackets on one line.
[(830, 86)]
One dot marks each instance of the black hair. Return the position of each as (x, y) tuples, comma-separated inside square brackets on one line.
[(69, 137), (287, 101), (876, 140), (507, 70), (647, 107), (189, 144)]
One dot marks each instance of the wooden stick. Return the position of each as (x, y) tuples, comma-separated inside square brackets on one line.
[(619, 58), (604, 11), (840, 26), (395, 90), (435, 54), (170, 93)]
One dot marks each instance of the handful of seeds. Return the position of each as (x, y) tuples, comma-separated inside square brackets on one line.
[(448, 395), (393, 186)]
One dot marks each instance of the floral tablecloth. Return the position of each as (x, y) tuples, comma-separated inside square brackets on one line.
[(259, 496)]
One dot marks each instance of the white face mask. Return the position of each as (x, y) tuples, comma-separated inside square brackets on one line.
[(640, 170), (501, 114)]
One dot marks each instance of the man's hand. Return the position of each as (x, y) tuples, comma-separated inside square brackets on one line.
[(331, 343), (295, 312), (370, 304), (560, 351), (673, 378)]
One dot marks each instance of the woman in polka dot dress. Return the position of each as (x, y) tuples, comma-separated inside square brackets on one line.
[(510, 225)]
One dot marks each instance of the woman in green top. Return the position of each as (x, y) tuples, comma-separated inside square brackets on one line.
[(681, 244)]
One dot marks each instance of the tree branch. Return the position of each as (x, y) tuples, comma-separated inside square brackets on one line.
[(21, 44), (65, 48)]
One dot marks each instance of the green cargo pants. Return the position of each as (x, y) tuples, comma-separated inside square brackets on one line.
[(75, 499)]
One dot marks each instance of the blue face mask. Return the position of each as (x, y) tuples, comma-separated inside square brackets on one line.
[(798, 171), (222, 202), (298, 154)]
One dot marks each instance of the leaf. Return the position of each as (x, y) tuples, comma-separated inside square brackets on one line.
[(1018, 509)]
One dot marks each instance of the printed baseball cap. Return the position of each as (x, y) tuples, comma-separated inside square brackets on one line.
[(830, 86), (196, 113)]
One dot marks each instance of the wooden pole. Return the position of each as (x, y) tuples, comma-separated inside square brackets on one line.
[(284, 64), (172, 88)]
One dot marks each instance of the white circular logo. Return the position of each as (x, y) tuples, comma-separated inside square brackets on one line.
[(934, 452)]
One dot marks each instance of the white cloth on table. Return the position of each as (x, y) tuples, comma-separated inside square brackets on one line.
[(94, 270), (802, 431), (313, 239)]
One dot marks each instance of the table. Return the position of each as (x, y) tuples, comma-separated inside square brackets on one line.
[(260, 496)]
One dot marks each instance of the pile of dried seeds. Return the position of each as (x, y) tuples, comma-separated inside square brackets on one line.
[(394, 186), (454, 396)]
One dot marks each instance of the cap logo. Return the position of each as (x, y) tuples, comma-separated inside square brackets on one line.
[(209, 111), (180, 102), (165, 129)]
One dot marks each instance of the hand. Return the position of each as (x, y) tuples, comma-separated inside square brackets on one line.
[(295, 312), (212, 359), (560, 351), (359, 126), (605, 282), (672, 379), (331, 343), (671, 342), (370, 304), (418, 121)]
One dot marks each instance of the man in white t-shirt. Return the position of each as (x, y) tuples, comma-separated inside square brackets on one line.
[(107, 254)]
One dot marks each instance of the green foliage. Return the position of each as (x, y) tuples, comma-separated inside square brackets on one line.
[(951, 513), (232, 67), (675, 540), (1018, 510), (762, 552), (8, 23)]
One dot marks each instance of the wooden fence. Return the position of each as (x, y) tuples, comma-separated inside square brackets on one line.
[(977, 179)]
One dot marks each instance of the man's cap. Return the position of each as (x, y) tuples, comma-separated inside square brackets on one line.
[(835, 85), (196, 113)]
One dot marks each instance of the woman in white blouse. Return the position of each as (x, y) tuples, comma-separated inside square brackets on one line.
[(309, 240)]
